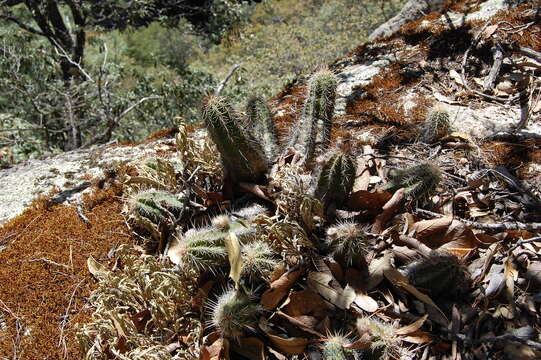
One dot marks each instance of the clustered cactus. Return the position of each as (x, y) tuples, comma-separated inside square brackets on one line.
[(347, 242), (436, 125), (248, 149), (333, 347), (439, 274), (234, 313), (385, 342), (419, 181)]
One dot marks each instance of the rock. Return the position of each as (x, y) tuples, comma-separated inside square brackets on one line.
[(23, 182), (413, 10)]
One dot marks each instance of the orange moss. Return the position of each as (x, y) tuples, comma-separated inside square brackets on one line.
[(512, 25), (287, 107), (38, 292), (514, 155), (380, 102), (165, 133), (463, 7)]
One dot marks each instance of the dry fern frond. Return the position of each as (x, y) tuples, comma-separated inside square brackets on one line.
[(143, 292)]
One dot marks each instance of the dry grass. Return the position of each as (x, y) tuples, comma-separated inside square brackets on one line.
[(44, 276)]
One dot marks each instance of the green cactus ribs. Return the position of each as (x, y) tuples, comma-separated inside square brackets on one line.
[(234, 313), (336, 180), (420, 181), (261, 125), (242, 156), (436, 125), (312, 136)]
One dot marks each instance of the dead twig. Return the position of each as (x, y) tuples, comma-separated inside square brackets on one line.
[(490, 80), (50, 262), (491, 227), (222, 84), (526, 241), (62, 339)]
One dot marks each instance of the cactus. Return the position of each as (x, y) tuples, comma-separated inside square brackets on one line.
[(233, 313), (242, 156), (436, 125), (336, 180), (258, 260), (439, 274), (316, 120), (420, 181), (261, 126), (154, 205), (204, 248), (347, 242), (385, 343), (333, 347)]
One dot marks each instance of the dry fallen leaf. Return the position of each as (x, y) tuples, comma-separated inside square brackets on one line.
[(424, 229), (97, 270), (366, 303), (232, 246), (414, 326), (320, 282), (290, 346), (279, 289), (376, 269), (397, 279), (304, 302), (373, 202)]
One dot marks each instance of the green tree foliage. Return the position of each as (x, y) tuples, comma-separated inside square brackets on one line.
[(65, 26), (289, 38)]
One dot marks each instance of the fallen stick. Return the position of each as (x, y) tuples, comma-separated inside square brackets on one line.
[(492, 227)]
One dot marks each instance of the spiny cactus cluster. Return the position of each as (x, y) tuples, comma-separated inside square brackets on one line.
[(436, 125), (420, 181), (242, 155), (439, 274), (234, 313), (333, 347), (247, 151), (385, 343), (347, 242)]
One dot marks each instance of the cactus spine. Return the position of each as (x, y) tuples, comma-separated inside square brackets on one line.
[(242, 156), (261, 126), (333, 347), (385, 343), (336, 180), (347, 242), (420, 181), (316, 120), (154, 205), (205, 247), (440, 274), (258, 260), (436, 125), (234, 312)]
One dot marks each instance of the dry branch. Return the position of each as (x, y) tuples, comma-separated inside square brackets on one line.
[(491, 227)]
